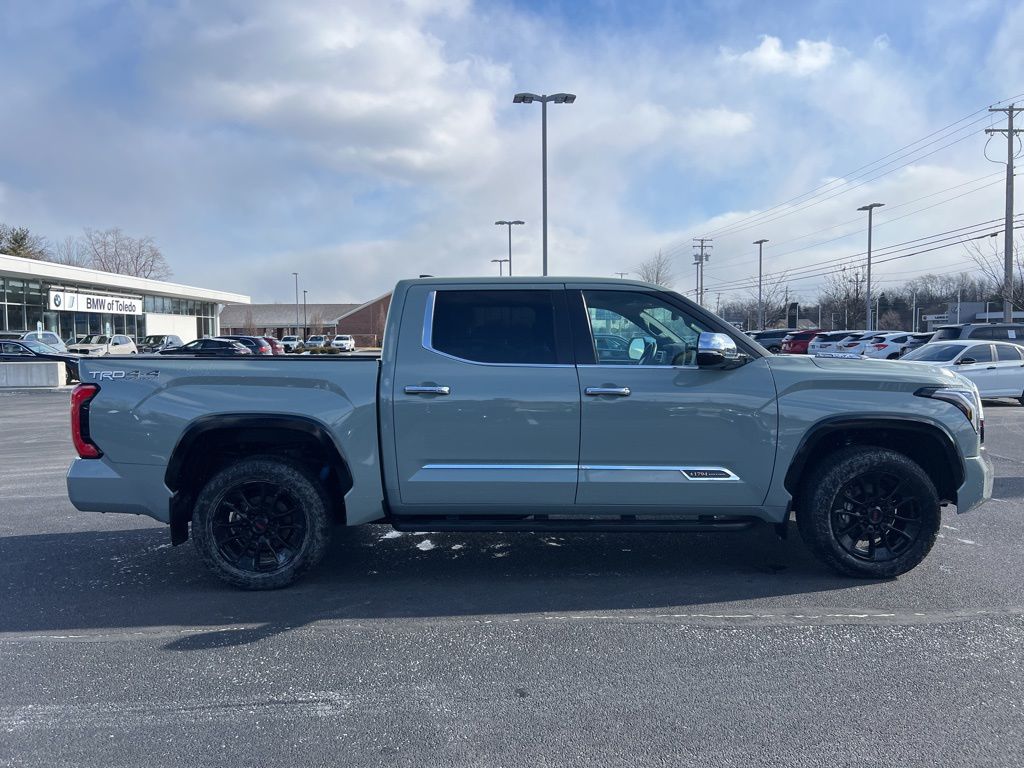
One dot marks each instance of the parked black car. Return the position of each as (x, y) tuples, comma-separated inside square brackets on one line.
[(257, 344), (28, 350), (772, 338), (159, 342), (210, 348)]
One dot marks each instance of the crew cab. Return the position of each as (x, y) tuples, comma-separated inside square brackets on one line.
[(492, 407)]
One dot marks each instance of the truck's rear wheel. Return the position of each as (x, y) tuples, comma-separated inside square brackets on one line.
[(260, 523), (870, 512)]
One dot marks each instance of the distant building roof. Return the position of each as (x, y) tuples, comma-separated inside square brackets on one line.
[(281, 315)]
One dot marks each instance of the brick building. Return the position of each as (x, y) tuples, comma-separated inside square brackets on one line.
[(363, 321)]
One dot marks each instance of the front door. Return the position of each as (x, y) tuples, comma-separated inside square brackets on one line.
[(979, 365), (658, 432), (486, 404)]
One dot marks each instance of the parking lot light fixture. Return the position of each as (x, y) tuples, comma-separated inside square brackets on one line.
[(509, 224), (867, 289), (296, 274), (557, 98), (499, 262)]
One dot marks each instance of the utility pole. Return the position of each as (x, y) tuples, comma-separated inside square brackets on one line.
[(867, 291), (1009, 131), (718, 303), (913, 322), (701, 243), (305, 320), (760, 301), (296, 302)]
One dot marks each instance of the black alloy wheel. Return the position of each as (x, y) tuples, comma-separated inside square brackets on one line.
[(875, 518), (258, 526), (869, 511), (261, 522)]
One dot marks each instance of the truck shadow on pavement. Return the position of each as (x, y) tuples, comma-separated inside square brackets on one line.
[(133, 579)]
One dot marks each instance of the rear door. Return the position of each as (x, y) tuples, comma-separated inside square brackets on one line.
[(1009, 374), (486, 403), (659, 434), (981, 370)]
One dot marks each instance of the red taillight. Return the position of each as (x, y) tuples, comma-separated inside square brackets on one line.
[(80, 399), (879, 346)]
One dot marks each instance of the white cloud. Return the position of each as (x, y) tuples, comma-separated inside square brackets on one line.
[(807, 58)]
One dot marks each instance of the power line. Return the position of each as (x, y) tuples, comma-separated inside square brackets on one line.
[(867, 169), (829, 265)]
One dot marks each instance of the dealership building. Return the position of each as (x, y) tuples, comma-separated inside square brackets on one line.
[(74, 302)]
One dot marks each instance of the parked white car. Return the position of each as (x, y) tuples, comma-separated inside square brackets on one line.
[(830, 341), (49, 338), (291, 343), (889, 346), (344, 342), (98, 344), (856, 345), (316, 341), (996, 367)]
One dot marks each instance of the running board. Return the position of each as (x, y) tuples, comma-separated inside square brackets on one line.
[(548, 523)]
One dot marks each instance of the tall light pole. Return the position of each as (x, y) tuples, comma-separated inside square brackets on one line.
[(557, 98), (509, 224), (760, 273), (296, 302), (622, 275), (867, 290), (499, 262), (305, 321)]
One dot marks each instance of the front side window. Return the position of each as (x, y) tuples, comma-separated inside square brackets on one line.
[(655, 332), (979, 353), (512, 327)]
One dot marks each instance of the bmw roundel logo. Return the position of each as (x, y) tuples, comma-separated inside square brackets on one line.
[(56, 299)]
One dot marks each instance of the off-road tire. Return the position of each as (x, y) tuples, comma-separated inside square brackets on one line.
[(819, 511), (298, 488)]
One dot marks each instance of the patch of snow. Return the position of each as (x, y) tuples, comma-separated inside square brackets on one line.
[(425, 546), (391, 535)]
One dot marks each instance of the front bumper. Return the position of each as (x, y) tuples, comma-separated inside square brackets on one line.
[(96, 485), (977, 486)]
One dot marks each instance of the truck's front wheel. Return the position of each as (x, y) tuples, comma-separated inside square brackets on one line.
[(260, 523), (870, 512)]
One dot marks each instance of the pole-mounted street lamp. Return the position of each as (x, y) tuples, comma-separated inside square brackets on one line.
[(499, 262), (870, 209), (296, 301), (509, 224), (760, 274), (557, 98), (305, 320)]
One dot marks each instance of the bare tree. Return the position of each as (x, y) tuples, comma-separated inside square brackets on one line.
[(658, 270), (989, 258), (250, 324), (18, 241), (111, 250), (72, 252), (843, 296)]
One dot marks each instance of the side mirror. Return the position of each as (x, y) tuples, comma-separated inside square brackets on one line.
[(639, 347), (966, 361), (715, 350)]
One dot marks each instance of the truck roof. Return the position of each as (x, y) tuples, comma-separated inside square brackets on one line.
[(530, 280)]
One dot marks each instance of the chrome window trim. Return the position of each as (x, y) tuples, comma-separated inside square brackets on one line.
[(427, 341), (502, 466)]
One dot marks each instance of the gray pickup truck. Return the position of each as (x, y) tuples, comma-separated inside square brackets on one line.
[(530, 404)]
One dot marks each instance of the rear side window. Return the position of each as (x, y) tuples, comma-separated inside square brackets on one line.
[(1005, 352), (515, 327), (946, 333), (985, 333)]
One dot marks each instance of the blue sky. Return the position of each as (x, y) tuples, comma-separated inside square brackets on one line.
[(360, 142)]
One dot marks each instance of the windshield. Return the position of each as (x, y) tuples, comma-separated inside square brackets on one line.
[(94, 340), (38, 346), (935, 353)]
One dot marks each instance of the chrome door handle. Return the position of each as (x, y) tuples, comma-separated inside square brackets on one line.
[(616, 391), (412, 390)]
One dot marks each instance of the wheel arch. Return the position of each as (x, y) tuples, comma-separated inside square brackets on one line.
[(211, 442), (930, 445)]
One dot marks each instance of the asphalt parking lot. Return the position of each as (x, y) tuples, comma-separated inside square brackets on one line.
[(500, 650)]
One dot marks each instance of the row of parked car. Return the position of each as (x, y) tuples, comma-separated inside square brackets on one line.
[(989, 354)]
